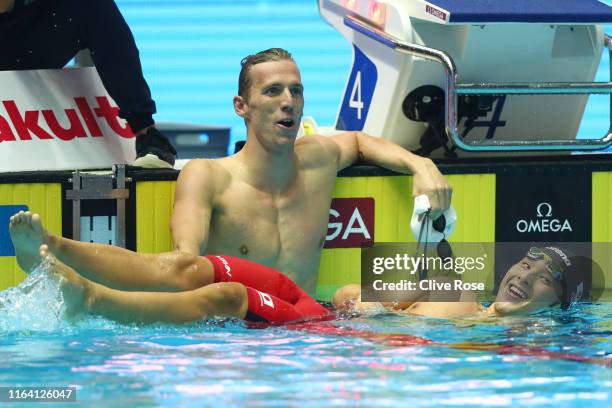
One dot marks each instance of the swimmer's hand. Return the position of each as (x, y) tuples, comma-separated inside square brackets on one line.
[(429, 181), (347, 299)]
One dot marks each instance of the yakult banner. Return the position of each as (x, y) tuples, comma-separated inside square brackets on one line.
[(60, 119)]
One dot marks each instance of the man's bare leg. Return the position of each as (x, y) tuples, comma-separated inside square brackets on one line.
[(111, 266), (227, 299)]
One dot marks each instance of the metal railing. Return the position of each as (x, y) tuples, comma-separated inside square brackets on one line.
[(452, 89)]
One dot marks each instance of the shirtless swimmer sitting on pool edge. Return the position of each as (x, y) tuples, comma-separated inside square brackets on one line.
[(269, 203), (253, 204)]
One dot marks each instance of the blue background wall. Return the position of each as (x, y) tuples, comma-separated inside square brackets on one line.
[(191, 52)]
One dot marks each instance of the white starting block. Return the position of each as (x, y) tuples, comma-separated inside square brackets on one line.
[(493, 75)]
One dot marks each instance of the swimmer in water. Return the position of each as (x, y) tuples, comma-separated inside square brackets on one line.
[(130, 287), (544, 277)]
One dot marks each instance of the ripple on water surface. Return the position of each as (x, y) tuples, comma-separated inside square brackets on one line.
[(225, 363)]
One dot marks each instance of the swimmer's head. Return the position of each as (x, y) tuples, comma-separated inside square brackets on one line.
[(546, 276), (271, 99), (271, 54)]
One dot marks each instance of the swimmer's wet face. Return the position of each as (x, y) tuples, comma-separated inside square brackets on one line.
[(529, 285), (273, 105)]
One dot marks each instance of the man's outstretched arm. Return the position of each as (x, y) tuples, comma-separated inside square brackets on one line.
[(192, 210), (354, 146)]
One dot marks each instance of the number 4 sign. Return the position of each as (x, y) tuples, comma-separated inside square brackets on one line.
[(358, 93), (355, 101)]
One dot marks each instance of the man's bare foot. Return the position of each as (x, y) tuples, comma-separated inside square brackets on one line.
[(27, 234), (75, 289)]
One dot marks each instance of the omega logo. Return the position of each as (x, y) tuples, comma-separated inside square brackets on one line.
[(544, 221), (544, 205)]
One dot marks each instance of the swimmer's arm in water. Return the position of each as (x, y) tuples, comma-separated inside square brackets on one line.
[(358, 146), (190, 220), (440, 304), (348, 297)]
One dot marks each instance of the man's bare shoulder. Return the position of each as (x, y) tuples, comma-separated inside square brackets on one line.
[(209, 173), (316, 150)]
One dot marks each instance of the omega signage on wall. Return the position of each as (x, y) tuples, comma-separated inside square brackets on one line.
[(550, 207), (543, 208)]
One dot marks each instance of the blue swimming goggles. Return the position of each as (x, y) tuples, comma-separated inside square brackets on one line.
[(536, 253)]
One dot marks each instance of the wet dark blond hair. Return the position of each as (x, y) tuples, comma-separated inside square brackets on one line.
[(271, 54)]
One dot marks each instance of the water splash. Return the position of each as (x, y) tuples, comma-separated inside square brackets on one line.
[(35, 304)]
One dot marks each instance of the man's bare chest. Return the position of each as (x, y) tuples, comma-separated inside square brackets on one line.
[(266, 228)]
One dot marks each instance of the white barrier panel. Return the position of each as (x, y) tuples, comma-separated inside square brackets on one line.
[(60, 119)]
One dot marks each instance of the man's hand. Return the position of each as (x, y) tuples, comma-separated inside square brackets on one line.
[(429, 181)]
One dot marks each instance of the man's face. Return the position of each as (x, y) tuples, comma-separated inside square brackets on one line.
[(527, 286), (274, 104)]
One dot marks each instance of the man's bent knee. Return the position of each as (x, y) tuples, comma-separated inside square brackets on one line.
[(185, 271), (229, 299)]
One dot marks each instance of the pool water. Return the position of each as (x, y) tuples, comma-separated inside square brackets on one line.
[(224, 363)]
